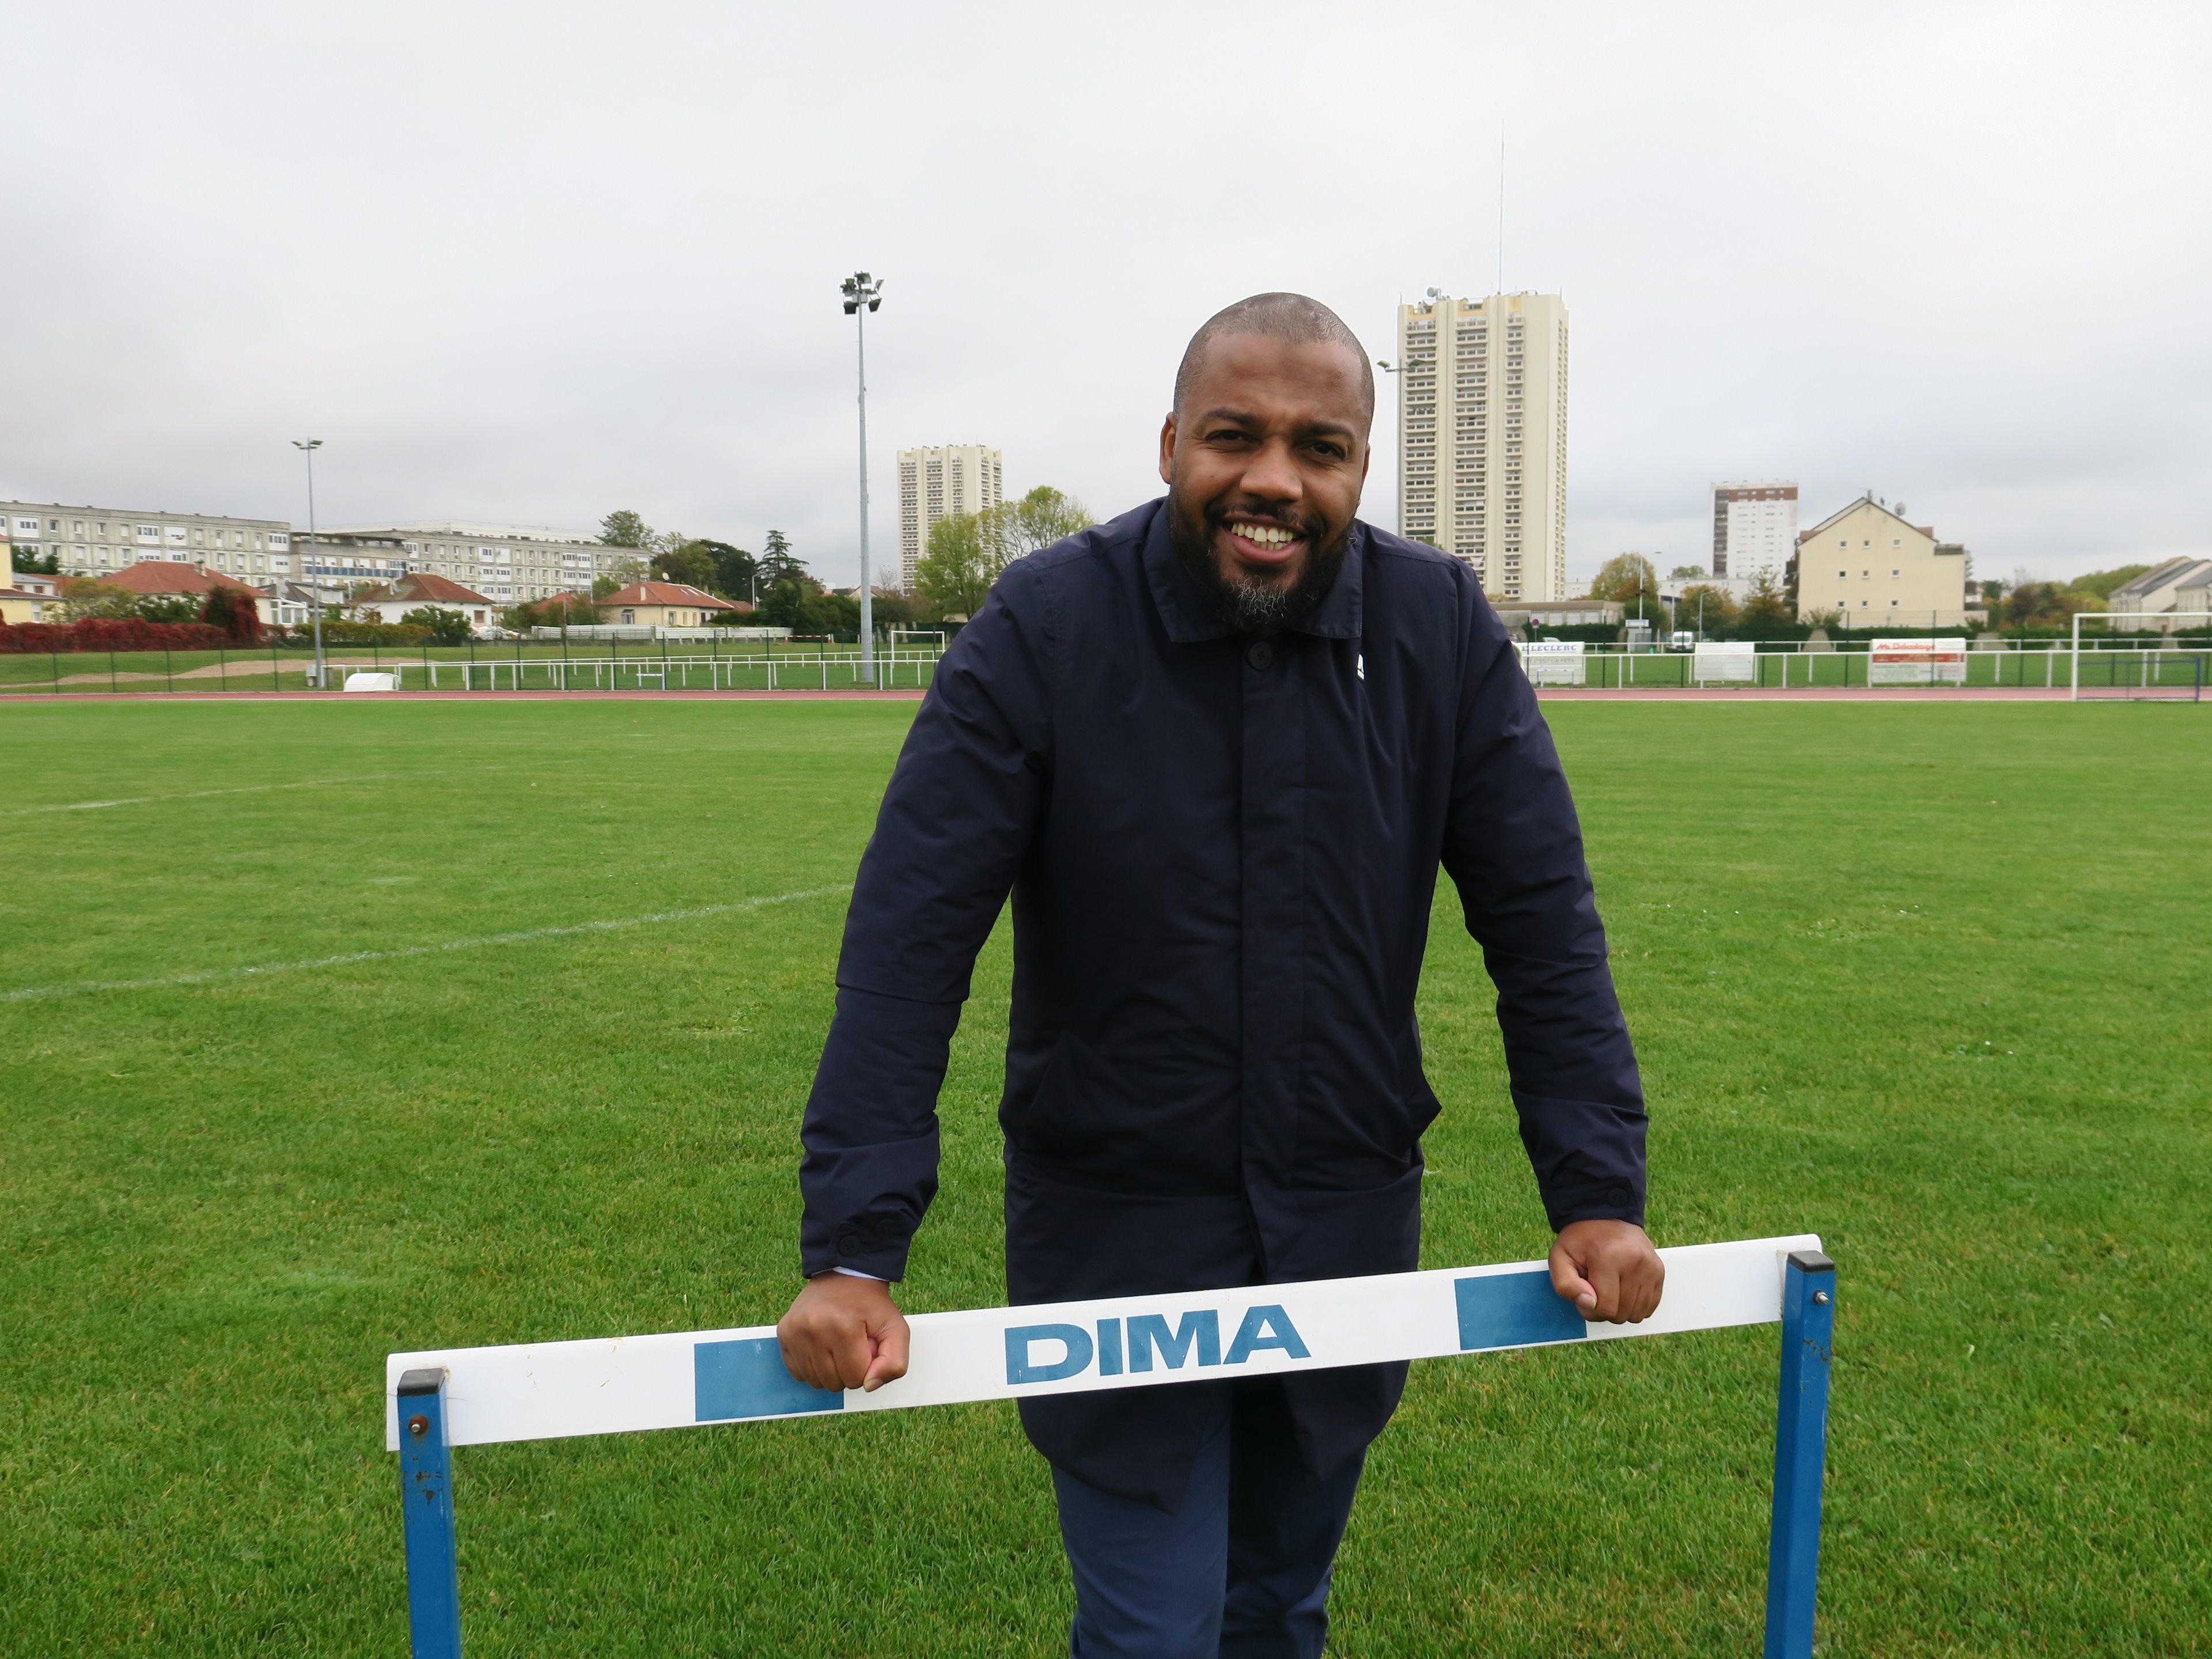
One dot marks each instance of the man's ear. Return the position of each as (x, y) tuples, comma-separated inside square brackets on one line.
[(1167, 448)]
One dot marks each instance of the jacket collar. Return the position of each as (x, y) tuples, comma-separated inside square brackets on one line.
[(1189, 618)]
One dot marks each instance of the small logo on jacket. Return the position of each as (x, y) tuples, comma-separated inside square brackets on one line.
[(1053, 1353)]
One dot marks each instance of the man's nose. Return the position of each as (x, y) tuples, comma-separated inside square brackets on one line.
[(1272, 474)]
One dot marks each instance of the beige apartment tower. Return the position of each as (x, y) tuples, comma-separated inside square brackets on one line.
[(937, 483), (1482, 470)]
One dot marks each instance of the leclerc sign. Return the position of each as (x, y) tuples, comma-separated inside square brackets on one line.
[(453, 1397)]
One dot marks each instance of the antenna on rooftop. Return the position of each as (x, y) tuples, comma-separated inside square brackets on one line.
[(1501, 205)]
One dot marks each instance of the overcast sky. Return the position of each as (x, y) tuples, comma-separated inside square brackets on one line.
[(533, 263)]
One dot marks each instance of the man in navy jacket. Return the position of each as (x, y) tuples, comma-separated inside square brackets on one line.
[(1217, 751)]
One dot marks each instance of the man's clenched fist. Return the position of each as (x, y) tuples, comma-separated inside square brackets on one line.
[(844, 1333), (1608, 1269)]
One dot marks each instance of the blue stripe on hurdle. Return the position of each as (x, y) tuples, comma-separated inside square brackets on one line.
[(745, 1377), (1510, 1311)]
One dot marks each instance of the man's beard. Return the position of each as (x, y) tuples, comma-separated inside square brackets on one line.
[(1253, 605)]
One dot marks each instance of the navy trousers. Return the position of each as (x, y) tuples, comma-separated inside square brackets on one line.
[(1241, 1570)]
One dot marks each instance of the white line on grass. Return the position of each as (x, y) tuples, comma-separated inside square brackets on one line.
[(37, 993), (199, 794)]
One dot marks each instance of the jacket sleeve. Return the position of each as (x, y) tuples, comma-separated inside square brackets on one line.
[(954, 826), (1514, 848)]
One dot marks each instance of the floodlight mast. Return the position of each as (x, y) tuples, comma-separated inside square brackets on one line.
[(864, 294), (309, 446)]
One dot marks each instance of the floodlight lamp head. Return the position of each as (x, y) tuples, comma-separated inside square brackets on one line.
[(851, 306), (876, 305)]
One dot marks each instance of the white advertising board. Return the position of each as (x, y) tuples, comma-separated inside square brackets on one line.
[(1918, 662), (1554, 662), (1730, 662)]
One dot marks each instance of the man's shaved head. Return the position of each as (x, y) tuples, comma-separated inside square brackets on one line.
[(1291, 318)]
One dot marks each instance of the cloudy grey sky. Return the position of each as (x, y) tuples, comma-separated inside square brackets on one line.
[(537, 262)]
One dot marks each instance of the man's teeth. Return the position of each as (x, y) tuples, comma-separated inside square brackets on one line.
[(1265, 535)]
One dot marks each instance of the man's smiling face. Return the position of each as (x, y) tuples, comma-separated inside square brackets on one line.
[(1264, 457)]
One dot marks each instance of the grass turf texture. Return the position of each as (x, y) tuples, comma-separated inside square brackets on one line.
[(1927, 979)]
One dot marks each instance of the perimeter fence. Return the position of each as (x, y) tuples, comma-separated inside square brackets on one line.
[(508, 666), (665, 665)]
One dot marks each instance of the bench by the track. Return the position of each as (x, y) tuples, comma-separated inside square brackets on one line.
[(436, 1401)]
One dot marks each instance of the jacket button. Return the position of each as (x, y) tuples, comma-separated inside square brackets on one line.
[(848, 1245), (1258, 654), (1621, 1198)]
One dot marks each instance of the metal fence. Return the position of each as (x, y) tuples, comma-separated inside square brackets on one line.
[(659, 664)]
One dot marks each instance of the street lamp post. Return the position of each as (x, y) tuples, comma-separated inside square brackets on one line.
[(1400, 371), (864, 294), (308, 446)]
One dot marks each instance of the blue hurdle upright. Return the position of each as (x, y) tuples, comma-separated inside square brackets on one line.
[(436, 1401)]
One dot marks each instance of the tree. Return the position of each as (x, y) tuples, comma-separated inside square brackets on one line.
[(2102, 583), (1036, 520), (625, 529), (690, 563), (1625, 576), (84, 597), (734, 569), (234, 612), (1768, 607), (2045, 604), (1685, 573), (447, 627), (45, 564), (603, 586), (1702, 605), (955, 575), (777, 560)]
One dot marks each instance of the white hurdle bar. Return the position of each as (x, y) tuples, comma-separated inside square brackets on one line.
[(437, 1400)]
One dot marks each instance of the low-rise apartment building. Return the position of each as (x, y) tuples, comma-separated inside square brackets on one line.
[(2164, 593), (1870, 567), (508, 564), (98, 541)]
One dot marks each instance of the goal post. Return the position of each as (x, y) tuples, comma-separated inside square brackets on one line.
[(2167, 668)]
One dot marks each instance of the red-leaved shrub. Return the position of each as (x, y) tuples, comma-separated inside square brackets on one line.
[(110, 634), (233, 611)]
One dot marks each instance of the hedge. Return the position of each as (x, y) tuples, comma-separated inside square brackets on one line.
[(110, 634)]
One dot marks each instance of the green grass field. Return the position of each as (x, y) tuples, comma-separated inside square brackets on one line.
[(1930, 980)]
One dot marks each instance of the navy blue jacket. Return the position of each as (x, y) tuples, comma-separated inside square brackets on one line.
[(1222, 853)]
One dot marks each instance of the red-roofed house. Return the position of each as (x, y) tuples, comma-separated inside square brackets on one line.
[(664, 604), (391, 603), (167, 579), (153, 576)]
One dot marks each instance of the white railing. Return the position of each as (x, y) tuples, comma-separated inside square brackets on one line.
[(789, 672)]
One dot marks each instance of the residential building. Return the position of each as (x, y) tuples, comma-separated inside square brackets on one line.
[(1483, 411), (2163, 592), (664, 604), (29, 597), (1870, 565), (392, 602), (938, 483), (1561, 613), (508, 564), (98, 541), (1754, 531)]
